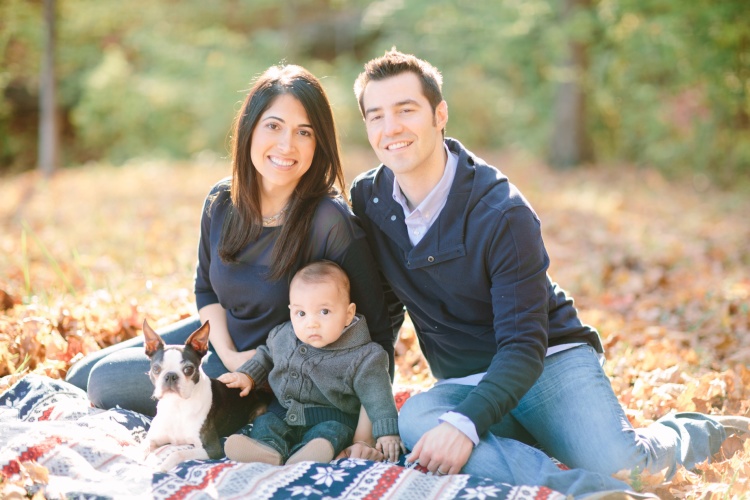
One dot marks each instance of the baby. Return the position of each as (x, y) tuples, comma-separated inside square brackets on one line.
[(321, 366)]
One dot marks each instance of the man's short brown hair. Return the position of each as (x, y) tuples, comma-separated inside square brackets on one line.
[(393, 63)]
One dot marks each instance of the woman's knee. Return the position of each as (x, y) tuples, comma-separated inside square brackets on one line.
[(78, 374), (122, 380)]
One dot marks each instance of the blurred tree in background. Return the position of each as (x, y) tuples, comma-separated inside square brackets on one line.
[(663, 83)]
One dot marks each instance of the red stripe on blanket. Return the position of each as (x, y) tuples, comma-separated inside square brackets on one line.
[(385, 483), (210, 476), (31, 454), (46, 413), (543, 493)]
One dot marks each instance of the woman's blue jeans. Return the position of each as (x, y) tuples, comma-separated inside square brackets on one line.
[(572, 413), (118, 375)]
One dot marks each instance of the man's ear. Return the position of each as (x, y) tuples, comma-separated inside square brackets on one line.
[(441, 115)]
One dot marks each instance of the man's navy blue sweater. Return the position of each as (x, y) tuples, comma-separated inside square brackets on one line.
[(476, 286)]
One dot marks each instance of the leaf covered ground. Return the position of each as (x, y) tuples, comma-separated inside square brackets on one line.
[(659, 267)]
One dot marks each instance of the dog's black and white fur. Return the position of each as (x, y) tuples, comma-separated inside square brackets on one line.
[(192, 408)]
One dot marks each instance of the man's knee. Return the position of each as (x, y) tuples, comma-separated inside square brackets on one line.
[(415, 418)]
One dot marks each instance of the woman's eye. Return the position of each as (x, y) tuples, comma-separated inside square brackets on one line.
[(305, 133)]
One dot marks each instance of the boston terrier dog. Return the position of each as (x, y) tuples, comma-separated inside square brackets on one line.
[(192, 408)]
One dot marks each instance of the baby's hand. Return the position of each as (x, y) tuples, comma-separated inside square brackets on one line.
[(237, 380), (391, 447)]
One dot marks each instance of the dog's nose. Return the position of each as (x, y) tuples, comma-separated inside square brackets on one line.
[(171, 378)]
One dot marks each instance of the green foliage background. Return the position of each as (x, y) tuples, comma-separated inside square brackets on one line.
[(668, 83)]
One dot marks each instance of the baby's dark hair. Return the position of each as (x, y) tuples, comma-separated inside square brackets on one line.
[(322, 271)]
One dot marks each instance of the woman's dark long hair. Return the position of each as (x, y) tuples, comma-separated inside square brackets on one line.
[(244, 221)]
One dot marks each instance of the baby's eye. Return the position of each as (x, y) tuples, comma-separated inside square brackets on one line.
[(325, 312), (299, 314)]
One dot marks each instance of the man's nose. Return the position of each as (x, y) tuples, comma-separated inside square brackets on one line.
[(392, 125)]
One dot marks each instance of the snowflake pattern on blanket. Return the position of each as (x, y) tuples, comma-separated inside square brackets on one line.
[(92, 453)]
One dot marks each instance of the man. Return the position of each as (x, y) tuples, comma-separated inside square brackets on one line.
[(462, 250)]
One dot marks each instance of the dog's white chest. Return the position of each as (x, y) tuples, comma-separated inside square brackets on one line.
[(179, 421)]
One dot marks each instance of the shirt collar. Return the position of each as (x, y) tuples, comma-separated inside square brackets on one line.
[(435, 200)]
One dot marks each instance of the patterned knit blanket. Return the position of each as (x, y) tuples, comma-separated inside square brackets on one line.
[(91, 453)]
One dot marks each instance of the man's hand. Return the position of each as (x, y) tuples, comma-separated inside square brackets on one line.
[(237, 380), (442, 450), (391, 447), (362, 450)]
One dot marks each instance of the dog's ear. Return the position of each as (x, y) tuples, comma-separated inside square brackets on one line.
[(151, 339), (198, 340)]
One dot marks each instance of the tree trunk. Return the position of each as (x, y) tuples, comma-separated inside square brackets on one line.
[(48, 130), (571, 145)]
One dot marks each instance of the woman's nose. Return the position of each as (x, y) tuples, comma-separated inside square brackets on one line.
[(286, 142)]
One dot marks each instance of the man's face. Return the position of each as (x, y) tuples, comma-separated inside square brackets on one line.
[(402, 129)]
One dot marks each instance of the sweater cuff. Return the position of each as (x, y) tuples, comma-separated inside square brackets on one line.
[(203, 299), (477, 409), (462, 423), (254, 370), (385, 427)]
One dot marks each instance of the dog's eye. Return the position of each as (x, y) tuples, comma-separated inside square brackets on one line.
[(156, 369), (188, 371)]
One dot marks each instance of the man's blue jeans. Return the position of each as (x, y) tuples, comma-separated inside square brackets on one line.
[(572, 413)]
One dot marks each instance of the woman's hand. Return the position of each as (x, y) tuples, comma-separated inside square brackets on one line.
[(360, 449), (232, 360)]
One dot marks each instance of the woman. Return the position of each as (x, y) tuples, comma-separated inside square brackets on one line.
[(281, 208)]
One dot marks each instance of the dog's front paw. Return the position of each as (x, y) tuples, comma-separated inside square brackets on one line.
[(169, 456)]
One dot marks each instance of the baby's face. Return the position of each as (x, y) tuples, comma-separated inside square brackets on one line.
[(319, 312)]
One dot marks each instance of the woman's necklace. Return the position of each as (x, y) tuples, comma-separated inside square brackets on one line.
[(274, 220)]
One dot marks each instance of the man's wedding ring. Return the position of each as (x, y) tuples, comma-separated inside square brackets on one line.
[(440, 473)]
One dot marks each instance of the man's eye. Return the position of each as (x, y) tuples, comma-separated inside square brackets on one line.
[(324, 312)]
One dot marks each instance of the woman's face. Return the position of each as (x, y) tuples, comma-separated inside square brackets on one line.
[(283, 144)]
